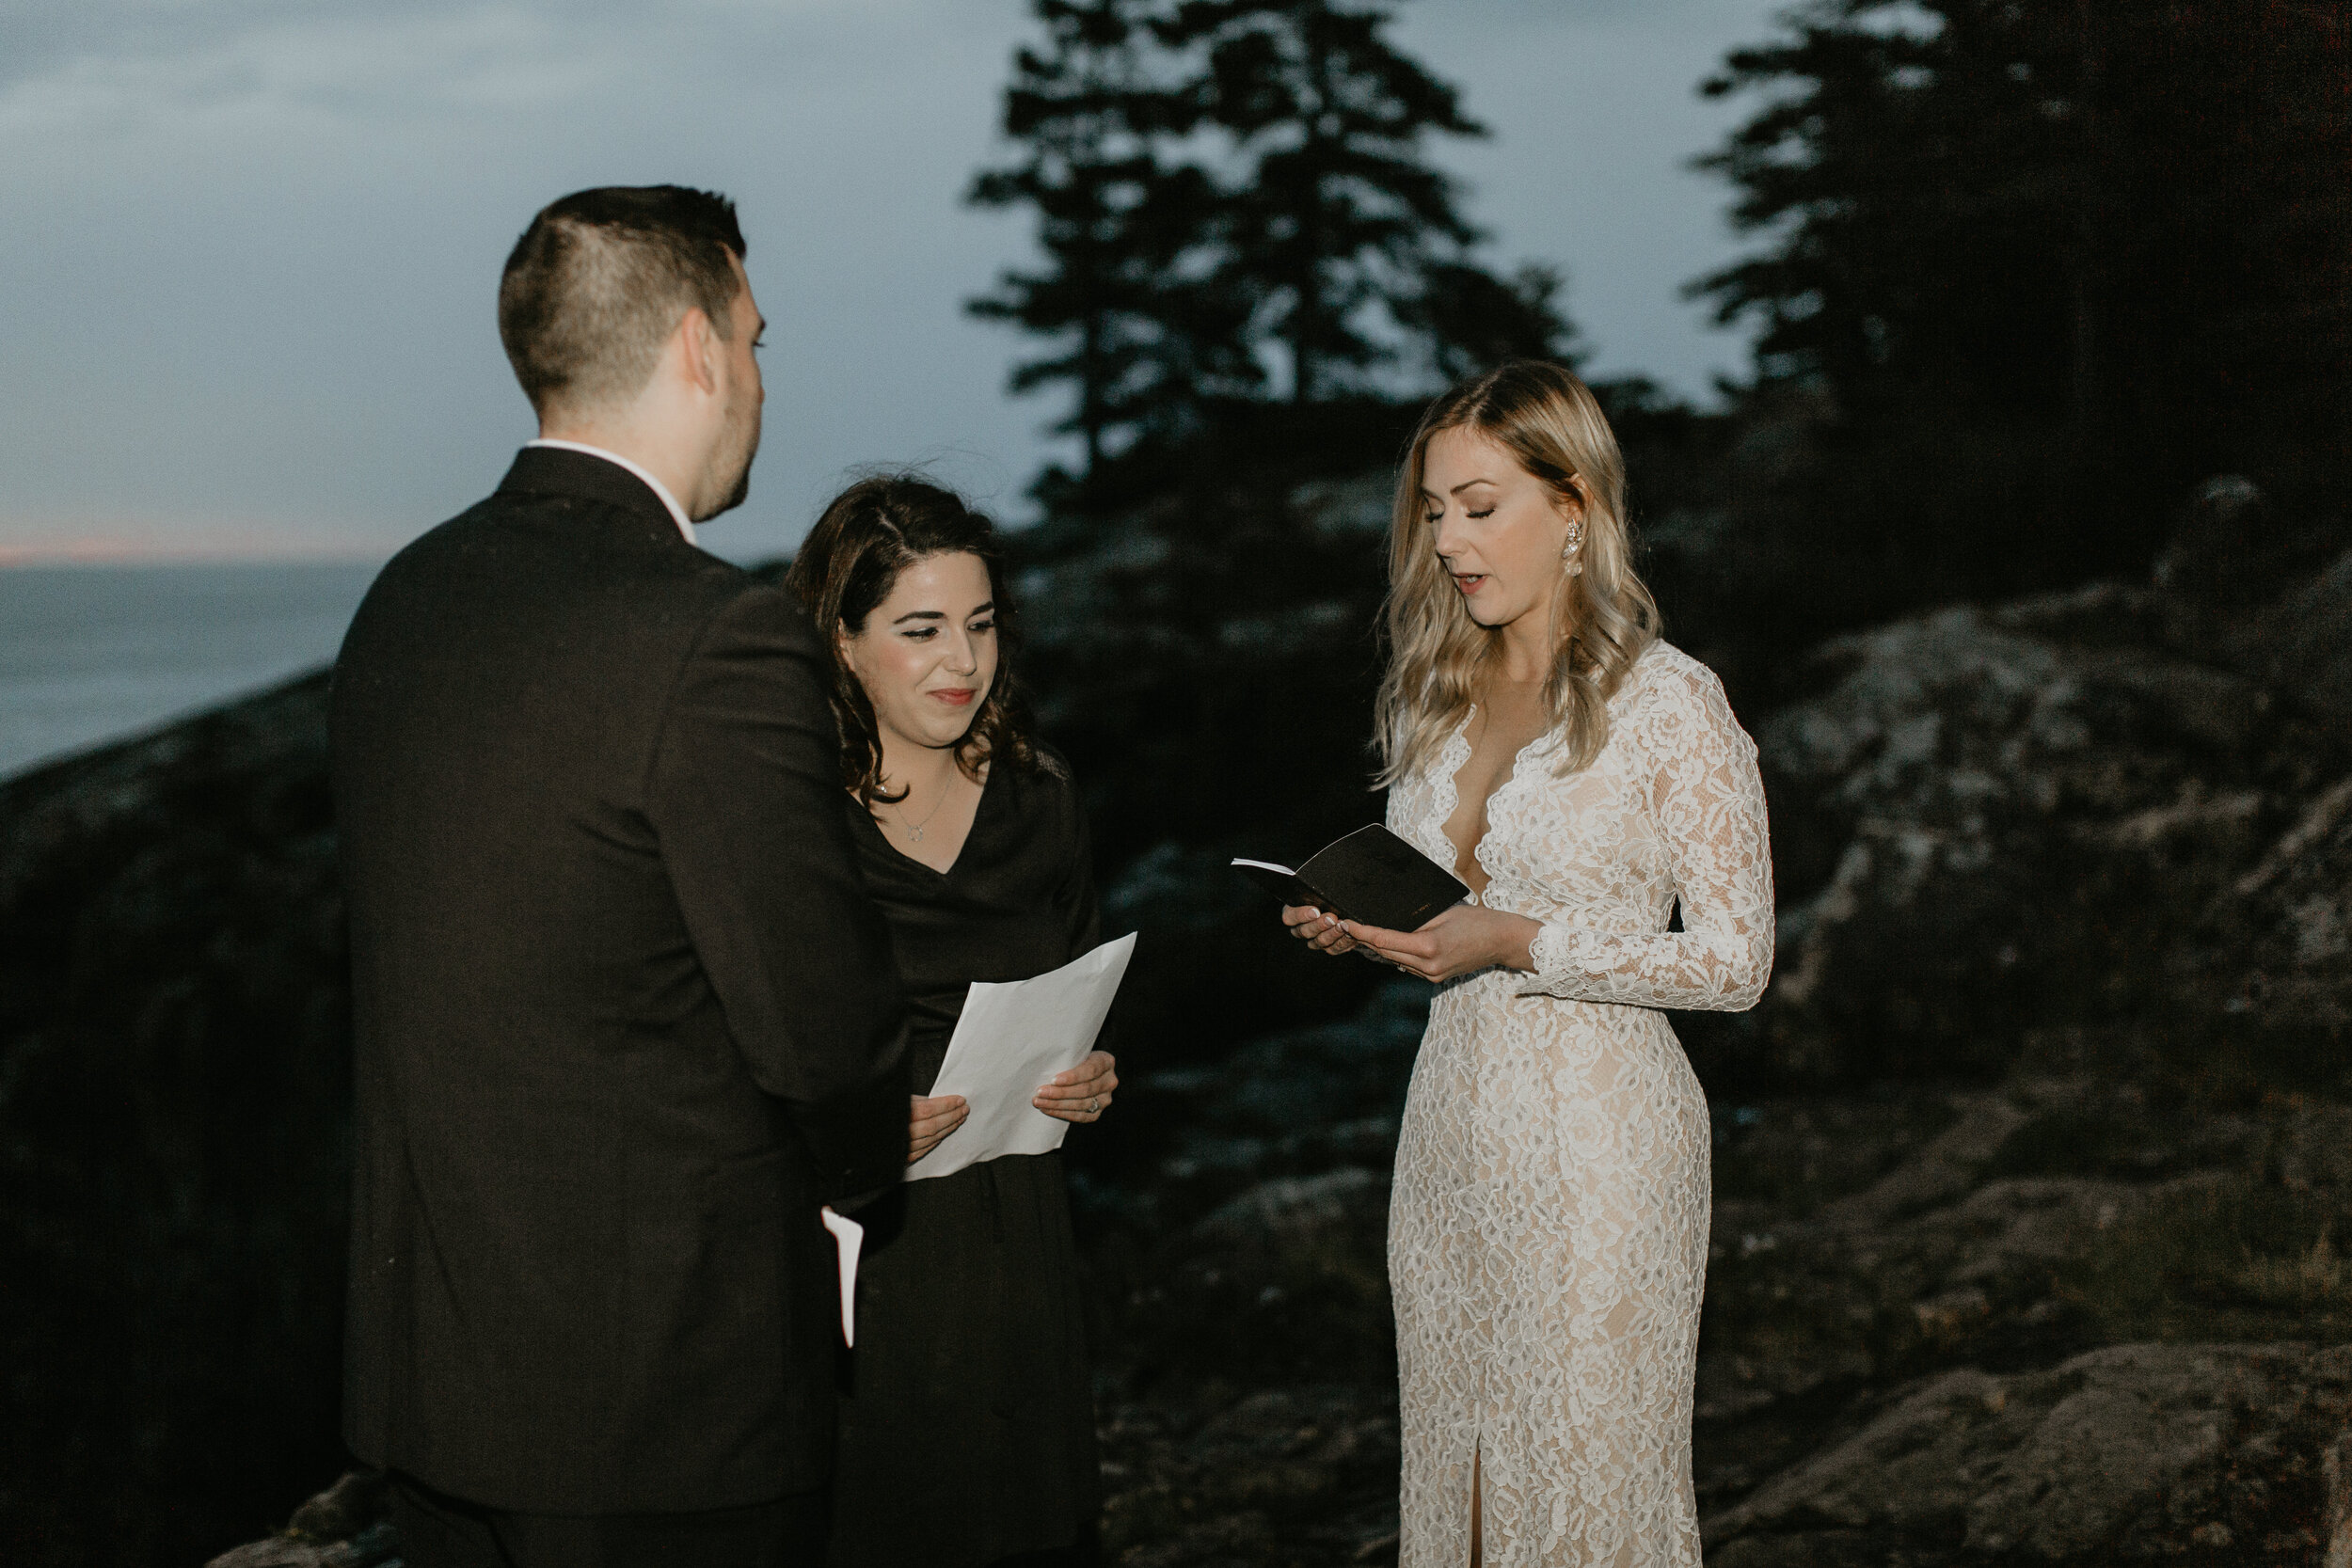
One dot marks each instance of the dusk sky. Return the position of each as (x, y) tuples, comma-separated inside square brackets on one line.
[(252, 246)]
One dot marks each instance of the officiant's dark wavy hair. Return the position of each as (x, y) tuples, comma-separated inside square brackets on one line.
[(845, 569)]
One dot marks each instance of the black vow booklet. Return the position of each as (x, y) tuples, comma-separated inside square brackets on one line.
[(1371, 877)]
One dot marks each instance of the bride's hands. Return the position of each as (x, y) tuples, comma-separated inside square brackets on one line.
[(934, 1117), (1318, 930), (1463, 939)]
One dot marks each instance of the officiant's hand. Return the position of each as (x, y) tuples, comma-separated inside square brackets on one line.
[(934, 1118), (1325, 933), (1462, 940), (1083, 1093)]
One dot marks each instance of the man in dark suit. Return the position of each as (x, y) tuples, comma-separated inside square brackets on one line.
[(623, 1020)]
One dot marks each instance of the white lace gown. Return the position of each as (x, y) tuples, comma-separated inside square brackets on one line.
[(1548, 1233)]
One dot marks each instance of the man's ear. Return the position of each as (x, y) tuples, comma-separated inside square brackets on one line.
[(704, 350)]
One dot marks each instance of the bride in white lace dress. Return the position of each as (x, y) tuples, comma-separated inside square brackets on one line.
[(1548, 1232)]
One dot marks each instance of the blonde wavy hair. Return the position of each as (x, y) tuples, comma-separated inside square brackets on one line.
[(1547, 419)]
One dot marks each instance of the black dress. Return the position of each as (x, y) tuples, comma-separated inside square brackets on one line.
[(967, 1420)]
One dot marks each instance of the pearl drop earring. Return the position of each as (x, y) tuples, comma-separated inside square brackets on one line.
[(1568, 550)]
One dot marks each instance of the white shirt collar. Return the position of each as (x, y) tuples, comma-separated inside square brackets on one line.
[(677, 512)]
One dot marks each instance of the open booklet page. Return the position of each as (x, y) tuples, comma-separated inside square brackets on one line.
[(1011, 1037)]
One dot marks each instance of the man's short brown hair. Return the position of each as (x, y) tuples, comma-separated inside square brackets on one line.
[(599, 282)]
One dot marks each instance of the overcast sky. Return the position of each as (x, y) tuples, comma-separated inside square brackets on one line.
[(251, 247)]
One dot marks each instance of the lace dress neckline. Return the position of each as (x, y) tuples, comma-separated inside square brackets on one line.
[(1445, 792), (1445, 795)]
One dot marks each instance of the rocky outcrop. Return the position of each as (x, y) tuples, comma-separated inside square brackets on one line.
[(2047, 1232), (2046, 1265), (172, 1101), (2193, 1453), (343, 1527), (2051, 811), (1299, 1473), (2033, 1176)]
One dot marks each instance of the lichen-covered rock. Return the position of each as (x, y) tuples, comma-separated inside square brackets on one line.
[(2196, 1452), (2300, 643), (375, 1549), (1300, 1474), (2294, 969), (343, 1527), (2059, 810), (1998, 1231)]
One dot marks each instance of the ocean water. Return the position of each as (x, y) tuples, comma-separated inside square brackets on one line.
[(91, 654)]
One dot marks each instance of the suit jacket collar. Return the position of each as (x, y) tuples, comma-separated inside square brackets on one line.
[(579, 476)]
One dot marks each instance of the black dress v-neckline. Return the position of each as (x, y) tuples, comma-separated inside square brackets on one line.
[(961, 850)]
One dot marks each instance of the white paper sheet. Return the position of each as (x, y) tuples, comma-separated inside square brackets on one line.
[(1011, 1039)]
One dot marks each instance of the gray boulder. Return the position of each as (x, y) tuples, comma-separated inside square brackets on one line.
[(2074, 809), (2224, 1453)]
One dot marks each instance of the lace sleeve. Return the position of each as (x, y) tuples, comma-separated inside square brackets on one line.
[(1710, 805)]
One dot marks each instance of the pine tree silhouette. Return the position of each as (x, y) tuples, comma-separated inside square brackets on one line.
[(1338, 218), (1236, 204), (2044, 267), (1142, 330)]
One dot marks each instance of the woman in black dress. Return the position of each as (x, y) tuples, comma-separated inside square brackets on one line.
[(967, 1425)]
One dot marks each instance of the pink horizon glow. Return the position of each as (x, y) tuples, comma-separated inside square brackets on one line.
[(224, 547)]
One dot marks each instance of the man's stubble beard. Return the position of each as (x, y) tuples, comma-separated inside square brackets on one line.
[(745, 420)]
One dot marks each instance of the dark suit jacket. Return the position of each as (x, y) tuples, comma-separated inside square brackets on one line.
[(623, 1015)]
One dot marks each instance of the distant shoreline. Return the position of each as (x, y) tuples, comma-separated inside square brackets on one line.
[(96, 652)]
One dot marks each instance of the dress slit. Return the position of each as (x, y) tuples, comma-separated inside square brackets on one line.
[(1477, 1502)]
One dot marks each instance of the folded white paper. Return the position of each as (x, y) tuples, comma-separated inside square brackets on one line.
[(1011, 1039), (847, 1237)]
